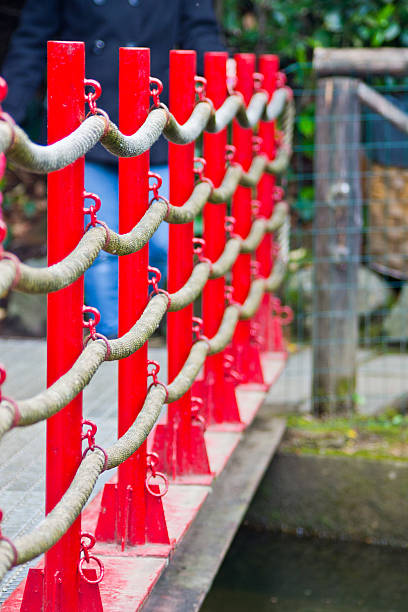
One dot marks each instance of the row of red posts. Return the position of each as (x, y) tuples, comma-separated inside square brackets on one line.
[(132, 514)]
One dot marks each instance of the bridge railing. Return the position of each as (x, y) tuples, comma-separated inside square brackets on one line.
[(239, 263)]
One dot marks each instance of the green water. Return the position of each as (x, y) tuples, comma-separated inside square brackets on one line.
[(281, 573)]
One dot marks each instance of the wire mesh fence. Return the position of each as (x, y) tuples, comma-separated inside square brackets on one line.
[(381, 265)]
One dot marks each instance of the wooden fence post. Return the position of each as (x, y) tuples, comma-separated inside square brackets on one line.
[(337, 240)]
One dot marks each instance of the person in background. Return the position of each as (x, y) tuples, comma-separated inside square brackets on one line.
[(104, 26)]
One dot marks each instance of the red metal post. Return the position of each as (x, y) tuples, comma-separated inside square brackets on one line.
[(127, 507), (180, 443), (66, 73), (216, 389), (245, 351), (268, 66)]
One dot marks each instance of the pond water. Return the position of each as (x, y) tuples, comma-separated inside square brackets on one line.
[(281, 573)]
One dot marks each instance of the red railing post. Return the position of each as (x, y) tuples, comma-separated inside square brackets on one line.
[(268, 67), (216, 390), (180, 443), (60, 587), (66, 73), (126, 513), (246, 353)]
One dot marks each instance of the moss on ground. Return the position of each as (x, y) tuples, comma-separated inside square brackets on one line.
[(376, 437)]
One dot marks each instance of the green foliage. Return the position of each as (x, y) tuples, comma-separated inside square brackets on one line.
[(293, 28)]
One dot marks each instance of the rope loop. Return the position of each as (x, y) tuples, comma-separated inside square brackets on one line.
[(230, 152), (87, 542), (156, 91)]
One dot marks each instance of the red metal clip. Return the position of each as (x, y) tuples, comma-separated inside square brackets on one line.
[(92, 97), (229, 225), (196, 407), (230, 372), (198, 249), (154, 373), (255, 267), (199, 171), (87, 558), (155, 188), (256, 144), (200, 87), (90, 433), (3, 89), (16, 411), (255, 208), (230, 151), (199, 167), (156, 91), (278, 193), (92, 322), (258, 80), (3, 231), (93, 209), (254, 333), (229, 296), (154, 282), (281, 79), (197, 329), (283, 313), (152, 463), (6, 539)]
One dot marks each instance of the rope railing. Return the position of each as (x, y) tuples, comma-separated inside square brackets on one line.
[(249, 176)]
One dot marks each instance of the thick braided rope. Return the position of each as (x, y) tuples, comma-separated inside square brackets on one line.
[(44, 159), (58, 395), (68, 270)]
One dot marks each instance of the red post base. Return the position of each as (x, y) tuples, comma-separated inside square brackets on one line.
[(33, 598), (175, 460), (118, 522), (219, 401)]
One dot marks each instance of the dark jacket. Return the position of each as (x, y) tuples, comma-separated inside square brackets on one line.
[(104, 26)]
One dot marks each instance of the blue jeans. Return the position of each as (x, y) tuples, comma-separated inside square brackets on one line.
[(101, 280)]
